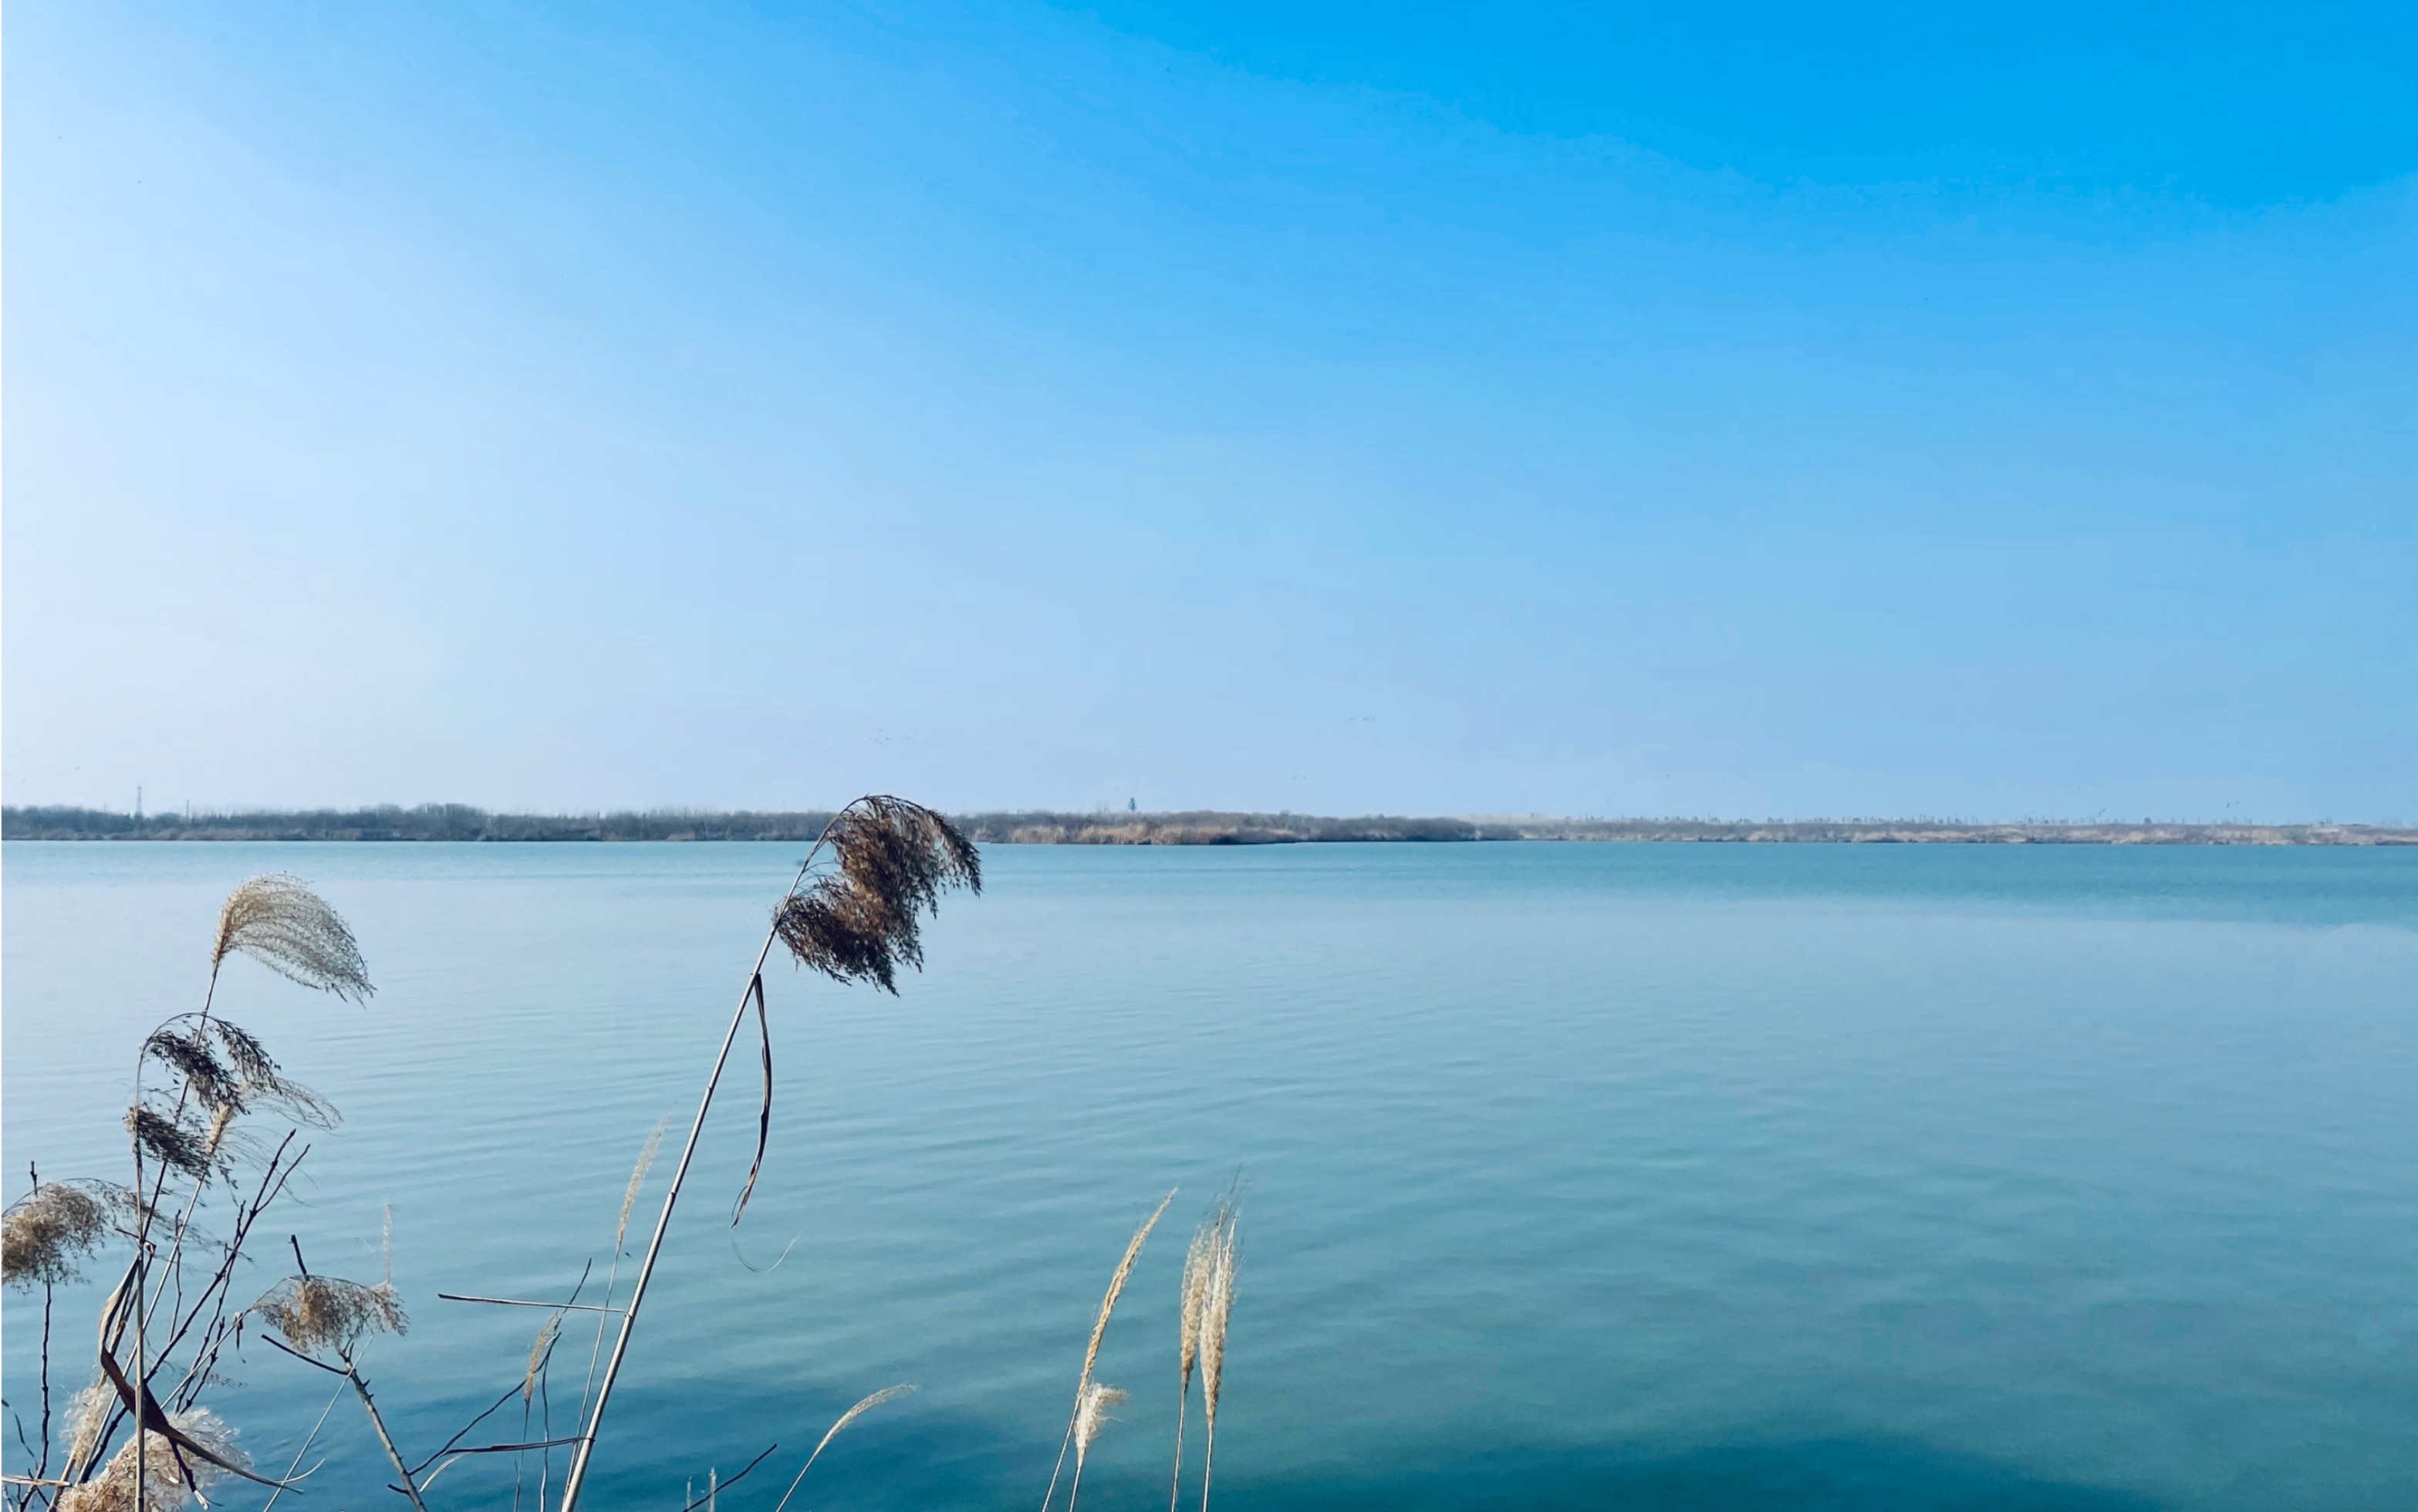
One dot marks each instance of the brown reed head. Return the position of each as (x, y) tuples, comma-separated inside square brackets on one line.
[(858, 919), (46, 1233), (278, 921), (182, 1143), (229, 1071), (316, 1312)]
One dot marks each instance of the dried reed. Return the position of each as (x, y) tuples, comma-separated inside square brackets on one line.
[(168, 1477), (859, 922), (868, 1404), (637, 1181), (278, 921), (1099, 1328), (323, 1312), (46, 1233), (177, 1143), (889, 861), (87, 1409), (1192, 1299), (1217, 1303), (1092, 1411)]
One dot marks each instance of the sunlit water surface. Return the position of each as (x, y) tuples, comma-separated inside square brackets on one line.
[(1575, 1176)]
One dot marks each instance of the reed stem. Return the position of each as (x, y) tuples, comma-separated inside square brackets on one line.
[(576, 1476)]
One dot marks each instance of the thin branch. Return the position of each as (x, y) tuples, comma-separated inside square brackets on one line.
[(288, 1479), (733, 1481)]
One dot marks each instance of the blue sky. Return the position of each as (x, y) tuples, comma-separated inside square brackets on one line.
[(1652, 409)]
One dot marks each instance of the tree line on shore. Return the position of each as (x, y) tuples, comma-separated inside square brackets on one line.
[(463, 823)]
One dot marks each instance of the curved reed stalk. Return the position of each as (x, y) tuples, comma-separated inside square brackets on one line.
[(856, 920), (1099, 1328), (866, 1405)]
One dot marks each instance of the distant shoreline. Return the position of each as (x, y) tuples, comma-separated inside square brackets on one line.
[(460, 823)]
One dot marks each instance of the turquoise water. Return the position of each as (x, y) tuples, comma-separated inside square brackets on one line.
[(1576, 1176)]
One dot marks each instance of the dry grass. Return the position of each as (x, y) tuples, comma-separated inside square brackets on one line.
[(866, 1405), (322, 1312), (1217, 1306), (47, 1232), (278, 921), (1089, 1416), (860, 920), (181, 1143), (1192, 1301), (170, 1477), (229, 1072), (637, 1182), (1099, 1329)]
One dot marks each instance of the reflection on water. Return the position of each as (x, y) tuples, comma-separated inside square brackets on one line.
[(1576, 1175)]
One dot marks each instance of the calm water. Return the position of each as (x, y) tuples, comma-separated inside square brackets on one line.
[(1577, 1176)]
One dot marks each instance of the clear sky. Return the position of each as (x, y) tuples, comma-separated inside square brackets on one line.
[(1720, 409)]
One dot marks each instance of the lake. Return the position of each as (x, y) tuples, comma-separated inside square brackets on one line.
[(1573, 1176)]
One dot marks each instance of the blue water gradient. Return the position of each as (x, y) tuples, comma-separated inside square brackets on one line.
[(1576, 1176)]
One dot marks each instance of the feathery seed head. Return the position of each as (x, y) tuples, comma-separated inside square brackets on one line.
[(638, 1180), (540, 1348), (1093, 1411), (180, 1143), (47, 1232), (1218, 1303), (227, 1071), (1198, 1262), (1117, 1283), (278, 921), (315, 1313), (172, 1477), (860, 920)]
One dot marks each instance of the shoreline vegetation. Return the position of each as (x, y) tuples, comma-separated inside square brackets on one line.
[(172, 1327), (461, 822)]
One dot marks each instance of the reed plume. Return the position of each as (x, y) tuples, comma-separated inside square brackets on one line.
[(323, 1312), (178, 1142), (278, 921), (48, 1232), (227, 1071), (1192, 1299), (167, 1475), (1090, 1414), (868, 1404), (1217, 1303), (637, 1182), (89, 1409), (858, 921), (1099, 1328)]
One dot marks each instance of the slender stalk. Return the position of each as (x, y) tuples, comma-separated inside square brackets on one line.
[(577, 1475), (1175, 1476), (362, 1389), (43, 1468), (142, 1372), (287, 1479)]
